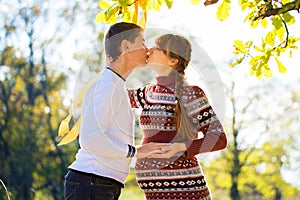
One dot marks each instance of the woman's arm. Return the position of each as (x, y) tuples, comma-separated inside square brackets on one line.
[(137, 97), (206, 121)]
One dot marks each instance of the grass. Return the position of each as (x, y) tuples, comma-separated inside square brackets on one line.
[(132, 193)]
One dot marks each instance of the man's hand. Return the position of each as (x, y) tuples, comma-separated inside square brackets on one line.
[(148, 149), (169, 151)]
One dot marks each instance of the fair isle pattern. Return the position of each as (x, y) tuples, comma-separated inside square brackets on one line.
[(173, 183), (147, 174), (174, 178), (181, 176)]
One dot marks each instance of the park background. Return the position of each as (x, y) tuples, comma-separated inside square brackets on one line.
[(49, 47)]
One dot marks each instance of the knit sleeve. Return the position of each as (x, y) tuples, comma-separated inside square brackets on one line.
[(137, 97), (207, 123)]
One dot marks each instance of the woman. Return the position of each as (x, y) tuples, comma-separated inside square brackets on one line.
[(174, 112)]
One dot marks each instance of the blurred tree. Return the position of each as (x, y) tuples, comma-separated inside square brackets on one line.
[(26, 130), (260, 144), (274, 16), (33, 92)]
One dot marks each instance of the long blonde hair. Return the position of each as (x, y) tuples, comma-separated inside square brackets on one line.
[(178, 47)]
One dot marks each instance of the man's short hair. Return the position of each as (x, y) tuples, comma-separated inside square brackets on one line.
[(116, 34)]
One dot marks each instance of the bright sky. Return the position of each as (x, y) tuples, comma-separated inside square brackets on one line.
[(214, 36)]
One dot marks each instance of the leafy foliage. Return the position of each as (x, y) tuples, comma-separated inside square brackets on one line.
[(274, 16), (260, 146)]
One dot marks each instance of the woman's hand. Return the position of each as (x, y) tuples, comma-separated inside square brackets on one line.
[(169, 150), (146, 150)]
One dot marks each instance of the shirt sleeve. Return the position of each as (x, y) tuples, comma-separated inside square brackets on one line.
[(207, 123), (137, 97)]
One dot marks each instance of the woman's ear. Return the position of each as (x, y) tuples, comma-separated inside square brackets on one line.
[(173, 61)]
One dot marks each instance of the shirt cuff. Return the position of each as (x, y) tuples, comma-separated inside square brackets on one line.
[(131, 151)]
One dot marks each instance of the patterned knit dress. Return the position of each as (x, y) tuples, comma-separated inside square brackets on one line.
[(179, 177)]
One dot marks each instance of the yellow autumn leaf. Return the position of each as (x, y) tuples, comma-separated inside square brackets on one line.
[(223, 10), (254, 61), (264, 23), (254, 24), (257, 48), (143, 20), (194, 2), (136, 13), (239, 47), (268, 73), (258, 73), (100, 17), (281, 67), (252, 71), (127, 14), (285, 1), (270, 38), (104, 4), (281, 33), (72, 134), (156, 5), (64, 125)]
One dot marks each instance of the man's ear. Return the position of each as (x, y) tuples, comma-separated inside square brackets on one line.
[(124, 46), (173, 61)]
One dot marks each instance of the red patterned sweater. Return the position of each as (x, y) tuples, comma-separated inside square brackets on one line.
[(157, 118), (178, 177)]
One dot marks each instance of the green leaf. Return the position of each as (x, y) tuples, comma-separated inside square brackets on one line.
[(237, 61), (110, 13), (276, 21), (123, 3), (281, 67), (288, 18), (223, 10), (169, 3)]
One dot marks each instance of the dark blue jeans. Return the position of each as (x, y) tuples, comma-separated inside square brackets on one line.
[(85, 186)]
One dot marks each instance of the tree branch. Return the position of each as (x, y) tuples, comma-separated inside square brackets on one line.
[(294, 5)]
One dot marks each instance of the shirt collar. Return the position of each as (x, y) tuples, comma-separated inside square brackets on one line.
[(116, 73)]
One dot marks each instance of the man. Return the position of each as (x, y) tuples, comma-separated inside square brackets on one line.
[(106, 131)]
